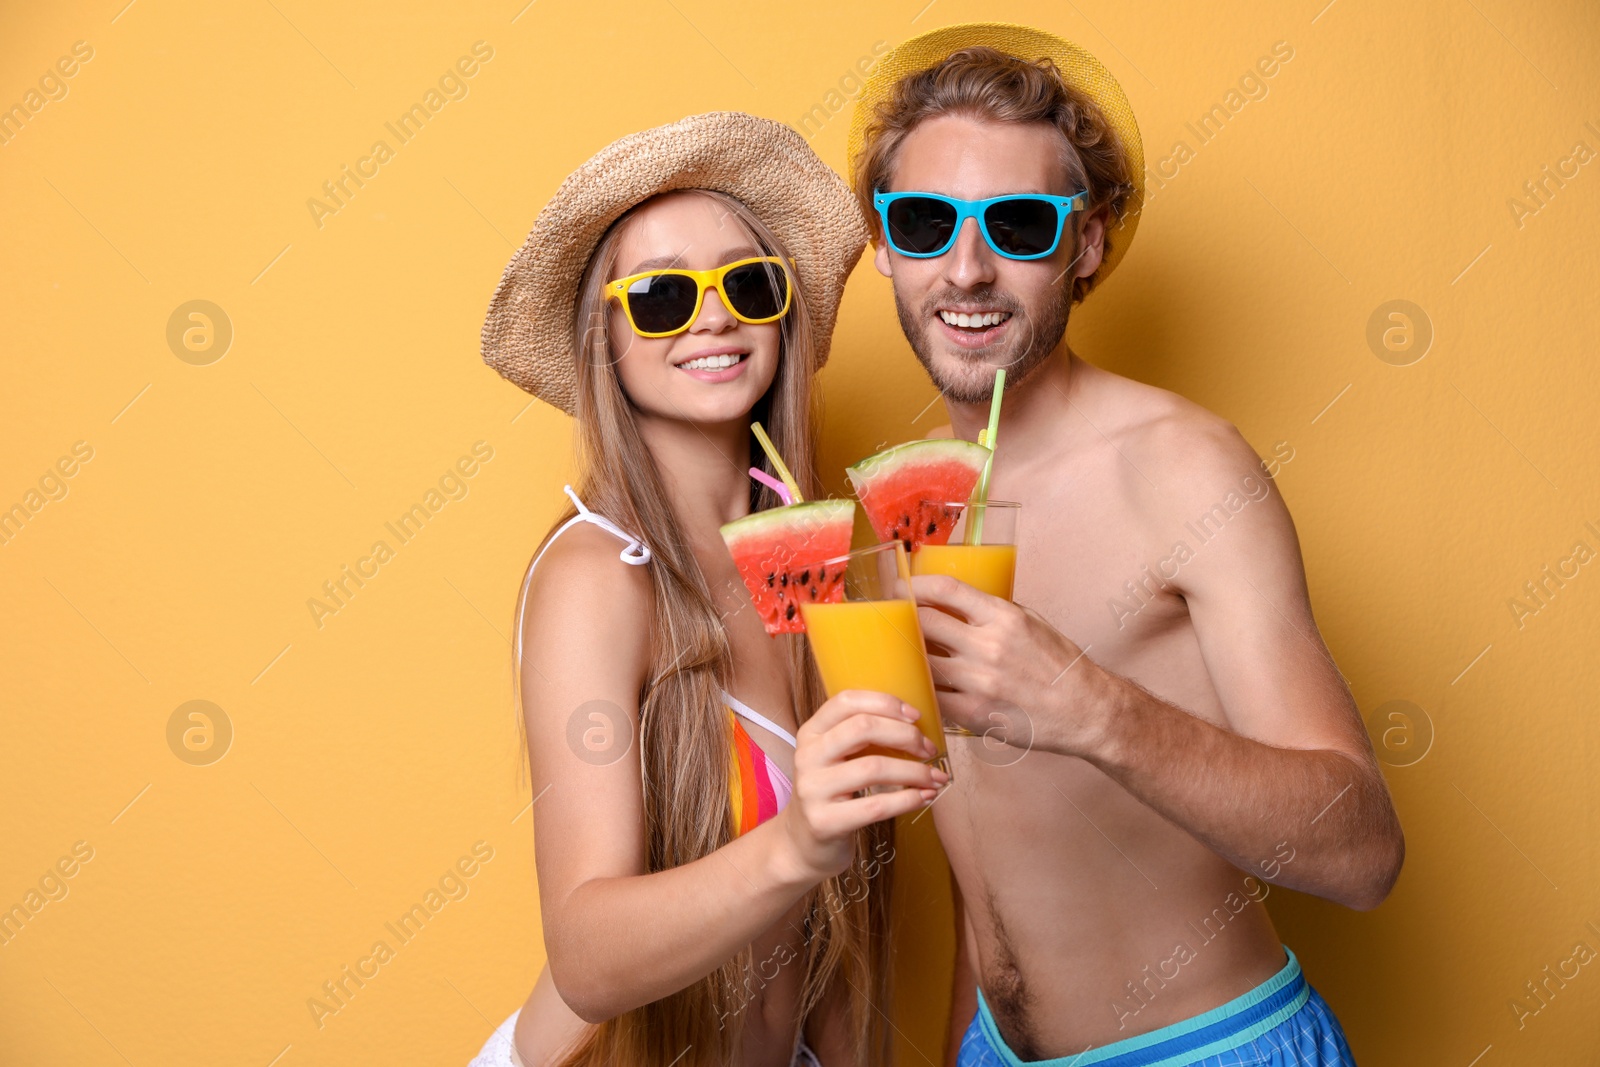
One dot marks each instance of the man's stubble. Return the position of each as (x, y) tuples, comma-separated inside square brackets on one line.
[(1031, 343)]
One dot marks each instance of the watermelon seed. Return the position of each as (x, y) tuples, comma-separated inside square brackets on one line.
[(788, 612), (783, 579), (805, 576)]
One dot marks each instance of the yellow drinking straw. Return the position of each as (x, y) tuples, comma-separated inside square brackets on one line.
[(777, 461), (980, 495)]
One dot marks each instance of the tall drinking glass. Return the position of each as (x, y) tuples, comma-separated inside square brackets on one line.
[(872, 640)]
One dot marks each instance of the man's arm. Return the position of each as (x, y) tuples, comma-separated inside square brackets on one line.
[(1244, 798), (1294, 764)]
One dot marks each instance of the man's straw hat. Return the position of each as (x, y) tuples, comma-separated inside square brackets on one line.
[(528, 335), (1078, 68)]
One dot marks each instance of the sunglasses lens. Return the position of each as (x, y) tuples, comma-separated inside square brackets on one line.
[(1024, 227), (920, 225), (756, 290), (662, 302)]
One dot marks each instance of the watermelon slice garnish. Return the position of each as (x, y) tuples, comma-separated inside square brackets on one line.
[(780, 554), (894, 483)]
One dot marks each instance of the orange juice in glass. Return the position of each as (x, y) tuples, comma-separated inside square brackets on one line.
[(991, 563), (872, 640)]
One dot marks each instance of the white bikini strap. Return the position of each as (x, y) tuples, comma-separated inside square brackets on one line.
[(635, 553), (756, 717)]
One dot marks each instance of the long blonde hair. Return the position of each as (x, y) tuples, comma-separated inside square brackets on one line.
[(684, 731)]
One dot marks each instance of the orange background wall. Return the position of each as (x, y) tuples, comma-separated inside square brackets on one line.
[(368, 751)]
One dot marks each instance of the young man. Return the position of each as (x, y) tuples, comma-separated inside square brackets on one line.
[(1176, 735)]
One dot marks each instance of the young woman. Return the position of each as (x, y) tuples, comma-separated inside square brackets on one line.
[(711, 888)]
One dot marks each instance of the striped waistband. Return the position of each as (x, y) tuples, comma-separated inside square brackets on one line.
[(1226, 1026)]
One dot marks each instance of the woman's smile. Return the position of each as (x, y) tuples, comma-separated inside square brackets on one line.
[(721, 364)]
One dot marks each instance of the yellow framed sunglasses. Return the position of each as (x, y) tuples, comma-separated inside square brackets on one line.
[(660, 303)]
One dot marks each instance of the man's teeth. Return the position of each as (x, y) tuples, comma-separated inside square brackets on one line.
[(988, 318), (712, 362)]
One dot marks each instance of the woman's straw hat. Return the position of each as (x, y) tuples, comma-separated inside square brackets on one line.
[(1078, 68), (528, 335)]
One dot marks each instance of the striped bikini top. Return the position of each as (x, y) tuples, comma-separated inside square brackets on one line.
[(757, 787)]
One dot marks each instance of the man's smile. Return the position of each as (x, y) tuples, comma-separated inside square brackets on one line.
[(973, 318), (974, 328)]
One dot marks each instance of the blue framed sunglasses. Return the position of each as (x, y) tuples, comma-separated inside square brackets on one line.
[(1018, 226)]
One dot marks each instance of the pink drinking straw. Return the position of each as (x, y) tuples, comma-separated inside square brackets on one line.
[(772, 483)]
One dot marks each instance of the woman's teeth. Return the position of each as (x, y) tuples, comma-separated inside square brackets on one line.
[(712, 362), (988, 318)]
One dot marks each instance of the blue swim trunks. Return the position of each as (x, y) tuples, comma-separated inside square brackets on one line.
[(1282, 1022)]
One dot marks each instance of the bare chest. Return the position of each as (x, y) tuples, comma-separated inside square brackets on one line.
[(1097, 557)]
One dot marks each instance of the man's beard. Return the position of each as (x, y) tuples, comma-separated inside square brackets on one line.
[(1028, 344)]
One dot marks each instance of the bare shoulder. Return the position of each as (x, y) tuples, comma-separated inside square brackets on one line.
[(1187, 451), (1203, 490), (584, 564), (585, 605)]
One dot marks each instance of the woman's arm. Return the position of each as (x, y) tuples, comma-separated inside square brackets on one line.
[(616, 937)]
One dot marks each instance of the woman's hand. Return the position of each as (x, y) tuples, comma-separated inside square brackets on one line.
[(823, 812)]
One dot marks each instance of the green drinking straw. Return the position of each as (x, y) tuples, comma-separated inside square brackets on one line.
[(777, 461), (980, 494)]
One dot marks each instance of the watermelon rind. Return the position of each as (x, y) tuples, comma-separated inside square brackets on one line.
[(772, 520), (928, 450)]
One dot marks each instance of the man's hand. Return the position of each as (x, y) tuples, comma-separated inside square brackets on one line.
[(994, 659)]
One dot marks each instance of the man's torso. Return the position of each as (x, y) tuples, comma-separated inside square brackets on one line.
[(1090, 917)]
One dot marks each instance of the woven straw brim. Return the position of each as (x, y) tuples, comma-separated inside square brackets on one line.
[(1078, 68), (528, 335)]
